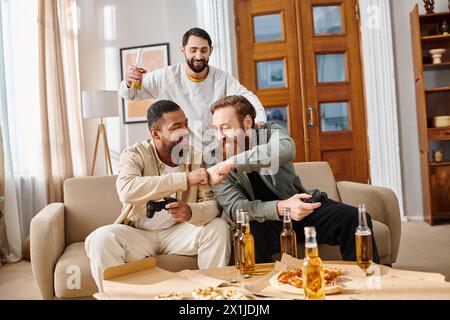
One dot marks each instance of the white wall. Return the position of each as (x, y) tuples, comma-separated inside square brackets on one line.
[(105, 27), (409, 143)]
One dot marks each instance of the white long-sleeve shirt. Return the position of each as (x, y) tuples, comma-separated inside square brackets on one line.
[(195, 98)]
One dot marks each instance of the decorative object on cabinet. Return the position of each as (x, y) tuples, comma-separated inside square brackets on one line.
[(441, 121), (444, 27), (436, 54), (438, 156), (429, 6)]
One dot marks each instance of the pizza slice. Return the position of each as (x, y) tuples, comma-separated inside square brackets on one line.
[(291, 280)]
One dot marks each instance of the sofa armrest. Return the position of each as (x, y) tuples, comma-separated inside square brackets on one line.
[(381, 204), (47, 243)]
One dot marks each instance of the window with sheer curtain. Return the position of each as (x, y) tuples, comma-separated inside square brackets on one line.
[(40, 109), (20, 114)]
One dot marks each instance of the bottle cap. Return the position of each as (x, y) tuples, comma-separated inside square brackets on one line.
[(362, 207), (362, 219), (311, 231), (239, 215), (287, 215), (245, 219)]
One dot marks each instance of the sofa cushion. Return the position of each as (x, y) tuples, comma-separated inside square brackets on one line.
[(383, 239), (74, 262), (317, 175), (89, 202)]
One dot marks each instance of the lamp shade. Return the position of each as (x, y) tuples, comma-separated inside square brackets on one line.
[(99, 104)]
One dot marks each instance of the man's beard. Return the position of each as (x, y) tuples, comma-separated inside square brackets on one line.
[(170, 145), (197, 69)]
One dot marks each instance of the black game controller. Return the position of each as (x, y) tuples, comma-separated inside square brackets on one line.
[(317, 196), (156, 206)]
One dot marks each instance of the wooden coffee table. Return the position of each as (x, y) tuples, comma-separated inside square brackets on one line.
[(142, 280), (386, 284)]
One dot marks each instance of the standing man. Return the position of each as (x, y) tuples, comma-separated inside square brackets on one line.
[(194, 85)]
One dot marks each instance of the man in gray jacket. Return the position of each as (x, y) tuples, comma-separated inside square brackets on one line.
[(251, 168)]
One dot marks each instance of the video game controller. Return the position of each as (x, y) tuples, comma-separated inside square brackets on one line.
[(156, 206), (317, 196)]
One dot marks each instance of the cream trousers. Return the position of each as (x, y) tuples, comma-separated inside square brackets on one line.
[(117, 243)]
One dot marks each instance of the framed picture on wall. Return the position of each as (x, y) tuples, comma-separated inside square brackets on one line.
[(155, 56)]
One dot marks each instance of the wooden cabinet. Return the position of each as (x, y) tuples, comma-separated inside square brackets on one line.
[(432, 83)]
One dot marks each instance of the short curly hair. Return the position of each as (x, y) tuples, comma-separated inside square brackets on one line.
[(158, 109)]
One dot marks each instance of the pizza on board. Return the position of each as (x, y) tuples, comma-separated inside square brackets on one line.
[(291, 281)]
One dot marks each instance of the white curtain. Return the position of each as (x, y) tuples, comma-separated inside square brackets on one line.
[(27, 175), (214, 17), (379, 74), (24, 181), (59, 93), (68, 24)]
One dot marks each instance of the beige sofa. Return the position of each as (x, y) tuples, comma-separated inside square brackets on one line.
[(61, 267)]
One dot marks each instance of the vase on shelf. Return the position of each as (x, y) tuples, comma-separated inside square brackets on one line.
[(429, 6), (438, 156), (436, 54), (444, 27)]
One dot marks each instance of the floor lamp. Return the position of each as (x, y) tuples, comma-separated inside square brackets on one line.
[(100, 104)]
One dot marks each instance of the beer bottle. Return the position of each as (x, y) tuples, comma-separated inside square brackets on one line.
[(236, 235), (288, 238), (136, 84), (247, 248), (312, 270), (363, 240)]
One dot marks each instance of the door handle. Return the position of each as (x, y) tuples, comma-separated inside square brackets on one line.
[(309, 111)]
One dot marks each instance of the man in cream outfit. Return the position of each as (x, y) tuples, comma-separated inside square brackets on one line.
[(152, 170), (194, 85)]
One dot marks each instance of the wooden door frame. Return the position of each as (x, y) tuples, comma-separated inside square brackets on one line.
[(298, 135), (348, 14), (301, 62)]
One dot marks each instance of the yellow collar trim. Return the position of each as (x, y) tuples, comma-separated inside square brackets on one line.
[(195, 79)]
